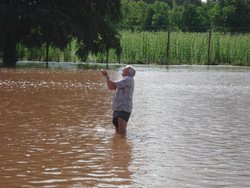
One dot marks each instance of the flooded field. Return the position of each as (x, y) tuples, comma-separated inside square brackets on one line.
[(190, 128)]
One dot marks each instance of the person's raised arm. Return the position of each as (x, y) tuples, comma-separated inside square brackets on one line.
[(111, 84)]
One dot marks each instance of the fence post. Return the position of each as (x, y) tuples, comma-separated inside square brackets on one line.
[(209, 47), (168, 46), (107, 59), (47, 55)]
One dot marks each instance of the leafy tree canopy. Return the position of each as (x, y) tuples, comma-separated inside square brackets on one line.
[(54, 22), (186, 15)]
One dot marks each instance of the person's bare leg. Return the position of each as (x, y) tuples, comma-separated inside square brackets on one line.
[(122, 126), (117, 130)]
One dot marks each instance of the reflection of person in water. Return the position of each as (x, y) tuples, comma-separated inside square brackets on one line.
[(121, 158), (122, 102)]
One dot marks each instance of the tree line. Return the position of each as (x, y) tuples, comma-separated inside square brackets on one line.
[(95, 25), (186, 15)]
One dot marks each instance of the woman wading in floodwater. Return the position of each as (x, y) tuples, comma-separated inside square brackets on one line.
[(123, 99)]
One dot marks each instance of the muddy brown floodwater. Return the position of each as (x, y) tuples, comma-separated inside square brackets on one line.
[(190, 128)]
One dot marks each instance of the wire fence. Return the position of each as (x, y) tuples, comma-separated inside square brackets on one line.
[(161, 47)]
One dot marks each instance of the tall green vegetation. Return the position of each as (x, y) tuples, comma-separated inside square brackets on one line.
[(186, 48), (151, 47), (189, 22)]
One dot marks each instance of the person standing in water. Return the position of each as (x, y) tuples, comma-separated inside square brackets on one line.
[(123, 99)]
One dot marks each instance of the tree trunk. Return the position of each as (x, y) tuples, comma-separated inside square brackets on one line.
[(9, 52)]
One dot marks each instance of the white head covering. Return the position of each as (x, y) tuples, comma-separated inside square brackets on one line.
[(131, 70)]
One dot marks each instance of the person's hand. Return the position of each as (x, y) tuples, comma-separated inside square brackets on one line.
[(104, 73)]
